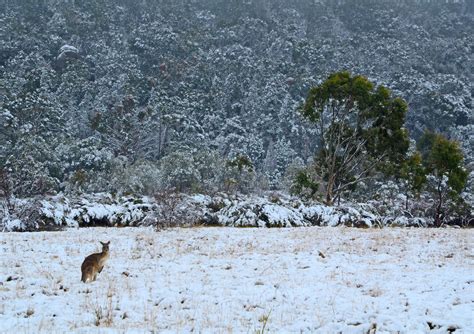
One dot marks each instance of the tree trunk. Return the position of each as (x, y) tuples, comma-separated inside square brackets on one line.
[(438, 213), (406, 201), (329, 191)]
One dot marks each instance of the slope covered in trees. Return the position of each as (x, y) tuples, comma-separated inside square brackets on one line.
[(140, 96)]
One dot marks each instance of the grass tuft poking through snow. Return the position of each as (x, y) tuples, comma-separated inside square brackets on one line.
[(219, 280)]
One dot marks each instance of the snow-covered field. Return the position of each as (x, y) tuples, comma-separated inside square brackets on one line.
[(230, 280)]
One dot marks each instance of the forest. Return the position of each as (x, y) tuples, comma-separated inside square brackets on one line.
[(171, 98)]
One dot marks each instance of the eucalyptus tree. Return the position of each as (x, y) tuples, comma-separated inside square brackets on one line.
[(447, 175), (360, 128)]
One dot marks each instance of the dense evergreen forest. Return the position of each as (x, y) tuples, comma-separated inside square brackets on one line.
[(141, 96)]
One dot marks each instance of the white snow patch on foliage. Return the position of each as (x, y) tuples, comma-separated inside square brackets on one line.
[(68, 48), (260, 212), (66, 51), (281, 216), (13, 224), (187, 210), (321, 214), (122, 210)]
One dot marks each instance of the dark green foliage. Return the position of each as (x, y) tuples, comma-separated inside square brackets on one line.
[(443, 157), (444, 161), (413, 171), (5, 186), (304, 185), (239, 174), (79, 178), (241, 162), (414, 174), (360, 129)]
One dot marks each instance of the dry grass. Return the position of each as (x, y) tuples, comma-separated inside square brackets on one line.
[(226, 280)]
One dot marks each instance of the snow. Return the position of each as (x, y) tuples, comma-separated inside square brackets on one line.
[(14, 224), (269, 210), (310, 279), (64, 211), (68, 48), (281, 216)]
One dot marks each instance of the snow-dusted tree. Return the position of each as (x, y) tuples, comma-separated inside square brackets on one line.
[(447, 175), (34, 168), (76, 90), (240, 174), (414, 174), (211, 167), (32, 125), (83, 162), (178, 171), (360, 129), (279, 156), (199, 170), (142, 177), (176, 123), (128, 130)]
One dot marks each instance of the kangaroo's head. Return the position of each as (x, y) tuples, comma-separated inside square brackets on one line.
[(105, 246)]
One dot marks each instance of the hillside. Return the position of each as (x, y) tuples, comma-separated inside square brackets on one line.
[(88, 88)]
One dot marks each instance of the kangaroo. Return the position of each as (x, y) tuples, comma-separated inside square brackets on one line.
[(94, 263)]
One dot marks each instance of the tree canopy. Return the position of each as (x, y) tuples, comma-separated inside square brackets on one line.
[(444, 162), (360, 128)]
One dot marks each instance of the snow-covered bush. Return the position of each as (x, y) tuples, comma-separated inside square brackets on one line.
[(170, 208), (259, 212), (98, 209), (20, 215)]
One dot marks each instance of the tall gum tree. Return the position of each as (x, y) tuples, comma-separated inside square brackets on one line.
[(447, 175), (360, 128)]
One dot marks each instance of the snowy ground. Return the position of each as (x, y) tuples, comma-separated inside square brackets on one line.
[(230, 280)]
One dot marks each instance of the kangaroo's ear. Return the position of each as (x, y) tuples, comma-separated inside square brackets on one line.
[(103, 243), (108, 242)]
